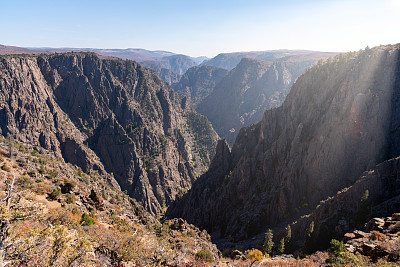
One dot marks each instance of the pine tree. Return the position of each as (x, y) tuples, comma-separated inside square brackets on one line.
[(288, 238), (364, 209), (288, 234), (268, 242), (281, 246), (309, 232)]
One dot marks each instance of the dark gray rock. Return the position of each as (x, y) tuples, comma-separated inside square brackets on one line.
[(109, 116)]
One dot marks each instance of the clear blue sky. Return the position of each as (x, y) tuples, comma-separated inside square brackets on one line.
[(206, 27)]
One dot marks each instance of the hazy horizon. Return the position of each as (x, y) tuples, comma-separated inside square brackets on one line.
[(204, 28)]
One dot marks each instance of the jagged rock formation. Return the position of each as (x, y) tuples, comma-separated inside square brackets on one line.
[(242, 96), (380, 241), (198, 82), (339, 120), (104, 115)]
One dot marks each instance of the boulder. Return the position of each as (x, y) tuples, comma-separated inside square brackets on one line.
[(396, 216), (360, 234), (348, 236), (237, 255)]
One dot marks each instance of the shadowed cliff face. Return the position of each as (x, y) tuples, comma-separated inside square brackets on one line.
[(199, 82), (339, 120), (340, 213), (77, 104), (242, 96)]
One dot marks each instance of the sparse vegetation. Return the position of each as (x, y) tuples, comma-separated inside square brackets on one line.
[(308, 237), (86, 220), (254, 254), (55, 194), (204, 254)]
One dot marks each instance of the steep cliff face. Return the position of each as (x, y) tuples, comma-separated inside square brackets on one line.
[(198, 82), (351, 207), (166, 74), (96, 113), (242, 96), (340, 119)]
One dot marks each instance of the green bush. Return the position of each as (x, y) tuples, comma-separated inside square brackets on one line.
[(204, 254), (70, 198), (339, 256), (336, 247), (87, 220), (42, 170), (55, 194), (51, 174)]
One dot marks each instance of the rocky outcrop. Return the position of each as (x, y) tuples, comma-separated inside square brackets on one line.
[(339, 120), (242, 96), (381, 241), (198, 82), (104, 115)]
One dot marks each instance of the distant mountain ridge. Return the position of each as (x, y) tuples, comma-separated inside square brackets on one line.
[(170, 66), (241, 97), (230, 60)]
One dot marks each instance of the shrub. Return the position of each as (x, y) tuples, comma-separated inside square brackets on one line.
[(24, 182), (55, 194), (254, 254), (70, 198), (42, 170), (161, 230), (377, 236), (204, 254), (61, 216), (75, 210), (86, 220), (336, 247), (51, 174), (5, 167), (41, 188)]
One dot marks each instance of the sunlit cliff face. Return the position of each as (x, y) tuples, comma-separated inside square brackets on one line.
[(344, 121)]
